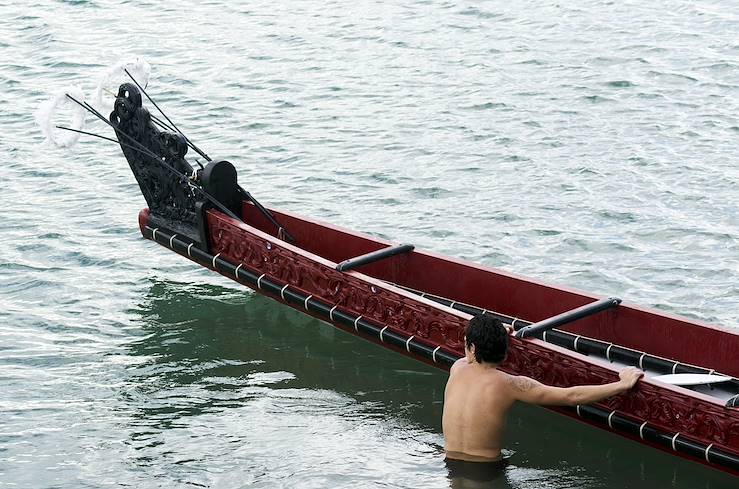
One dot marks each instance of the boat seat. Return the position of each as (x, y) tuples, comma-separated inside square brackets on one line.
[(373, 256)]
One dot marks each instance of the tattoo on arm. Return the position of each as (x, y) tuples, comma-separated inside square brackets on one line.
[(523, 384)]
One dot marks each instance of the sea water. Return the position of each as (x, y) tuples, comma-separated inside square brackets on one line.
[(591, 144)]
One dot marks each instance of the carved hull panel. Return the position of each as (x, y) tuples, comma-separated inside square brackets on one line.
[(686, 423)]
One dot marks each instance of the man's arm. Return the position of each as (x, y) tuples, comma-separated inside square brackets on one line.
[(529, 390)]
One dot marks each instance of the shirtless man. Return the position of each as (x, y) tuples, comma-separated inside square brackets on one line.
[(478, 395)]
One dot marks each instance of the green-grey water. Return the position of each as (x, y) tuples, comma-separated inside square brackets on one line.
[(587, 143)]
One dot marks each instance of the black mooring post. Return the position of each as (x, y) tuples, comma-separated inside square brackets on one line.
[(373, 256), (568, 317)]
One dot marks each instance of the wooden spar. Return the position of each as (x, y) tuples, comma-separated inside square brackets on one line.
[(568, 317)]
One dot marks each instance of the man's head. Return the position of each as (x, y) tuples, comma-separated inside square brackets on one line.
[(487, 339)]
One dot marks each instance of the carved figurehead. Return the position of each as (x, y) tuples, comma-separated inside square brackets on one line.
[(177, 195)]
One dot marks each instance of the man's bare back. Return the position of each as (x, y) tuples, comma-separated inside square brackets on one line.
[(476, 400), (478, 395)]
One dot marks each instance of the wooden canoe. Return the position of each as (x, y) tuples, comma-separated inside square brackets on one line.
[(417, 303)]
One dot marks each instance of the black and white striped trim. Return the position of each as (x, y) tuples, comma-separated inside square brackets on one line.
[(677, 442), (331, 312), (433, 355), (381, 333)]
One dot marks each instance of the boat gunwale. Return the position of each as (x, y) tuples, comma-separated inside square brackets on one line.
[(328, 263), (487, 268), (600, 362)]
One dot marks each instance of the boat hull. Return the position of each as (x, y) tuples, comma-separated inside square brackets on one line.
[(685, 423)]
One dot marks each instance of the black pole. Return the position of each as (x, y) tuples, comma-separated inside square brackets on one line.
[(189, 143), (266, 213), (568, 317), (373, 256)]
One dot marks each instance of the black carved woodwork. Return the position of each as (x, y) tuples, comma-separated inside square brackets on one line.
[(174, 191)]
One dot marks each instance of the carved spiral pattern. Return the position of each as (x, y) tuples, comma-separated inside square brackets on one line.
[(661, 407), (373, 303), (168, 195)]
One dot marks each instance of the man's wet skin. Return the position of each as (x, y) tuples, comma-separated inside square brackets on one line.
[(478, 396)]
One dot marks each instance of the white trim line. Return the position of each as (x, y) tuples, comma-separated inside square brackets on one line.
[(708, 449), (544, 336), (331, 312), (236, 273), (423, 294), (574, 344), (673, 441), (282, 291), (674, 367), (608, 352), (407, 344), (259, 281), (214, 259), (382, 331), (513, 324), (610, 416), (305, 304), (452, 304), (433, 355), (641, 359), (577, 408), (641, 430), (485, 311), (171, 239), (154, 234), (356, 328)]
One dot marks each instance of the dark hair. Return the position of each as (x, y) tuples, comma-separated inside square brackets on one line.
[(489, 337)]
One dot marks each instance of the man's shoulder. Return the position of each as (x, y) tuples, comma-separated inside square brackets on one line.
[(520, 383), (459, 364)]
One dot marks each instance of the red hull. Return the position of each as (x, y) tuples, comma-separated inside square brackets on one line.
[(377, 305)]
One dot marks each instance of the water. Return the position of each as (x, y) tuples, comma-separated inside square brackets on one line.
[(591, 144)]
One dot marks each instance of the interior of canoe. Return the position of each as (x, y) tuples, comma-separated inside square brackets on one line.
[(628, 326)]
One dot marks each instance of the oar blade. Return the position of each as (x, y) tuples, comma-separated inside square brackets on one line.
[(691, 379)]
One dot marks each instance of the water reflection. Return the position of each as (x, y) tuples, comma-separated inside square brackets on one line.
[(226, 388)]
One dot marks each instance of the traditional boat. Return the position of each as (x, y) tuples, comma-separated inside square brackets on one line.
[(417, 303)]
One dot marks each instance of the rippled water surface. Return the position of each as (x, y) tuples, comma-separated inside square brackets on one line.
[(587, 143)]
